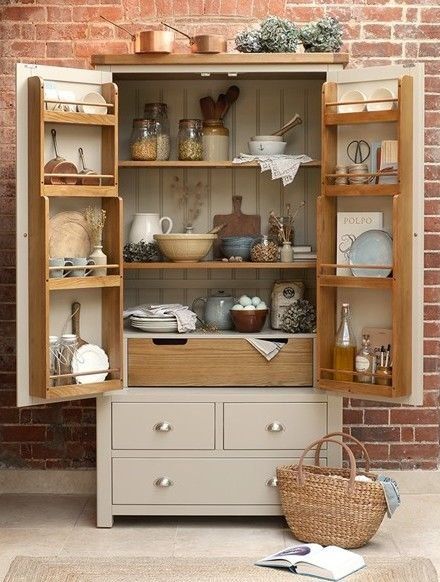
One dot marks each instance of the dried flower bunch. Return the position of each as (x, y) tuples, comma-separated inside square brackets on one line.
[(284, 229), (280, 35), (189, 200), (300, 317), (95, 218), (141, 252)]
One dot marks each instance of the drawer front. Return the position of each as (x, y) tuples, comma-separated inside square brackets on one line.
[(138, 425), (195, 481), (273, 425), (217, 362)]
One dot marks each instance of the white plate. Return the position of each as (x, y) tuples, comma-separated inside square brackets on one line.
[(354, 107), (93, 98), (88, 358), (381, 93), (372, 247)]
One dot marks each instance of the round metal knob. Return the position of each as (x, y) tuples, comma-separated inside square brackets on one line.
[(163, 482), (162, 427), (275, 427), (272, 482)]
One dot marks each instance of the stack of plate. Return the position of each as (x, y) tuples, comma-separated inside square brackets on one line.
[(158, 324)]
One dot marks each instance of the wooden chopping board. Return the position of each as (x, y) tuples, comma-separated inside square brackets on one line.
[(236, 224)]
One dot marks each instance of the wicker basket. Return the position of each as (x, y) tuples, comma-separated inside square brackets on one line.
[(321, 507)]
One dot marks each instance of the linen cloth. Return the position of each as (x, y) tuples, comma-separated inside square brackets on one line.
[(281, 166), (186, 319), (267, 349)]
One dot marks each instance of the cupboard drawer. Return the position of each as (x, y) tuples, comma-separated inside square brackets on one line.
[(217, 362), (163, 425), (273, 425), (195, 481)]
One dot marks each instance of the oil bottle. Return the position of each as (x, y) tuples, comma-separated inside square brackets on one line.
[(344, 351)]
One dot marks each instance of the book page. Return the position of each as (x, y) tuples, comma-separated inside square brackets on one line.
[(336, 560), (293, 554)]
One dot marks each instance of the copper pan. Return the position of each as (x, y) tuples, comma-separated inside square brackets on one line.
[(149, 41), (204, 43), (59, 165)]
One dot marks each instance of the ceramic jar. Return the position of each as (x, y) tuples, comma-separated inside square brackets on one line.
[(145, 225), (215, 140), (217, 309)]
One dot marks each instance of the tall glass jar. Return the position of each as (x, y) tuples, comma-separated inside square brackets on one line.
[(143, 141), (215, 140), (190, 140), (264, 250), (68, 346), (159, 112), (53, 358)]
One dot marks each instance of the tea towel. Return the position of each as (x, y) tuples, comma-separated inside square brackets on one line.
[(281, 166), (186, 319)]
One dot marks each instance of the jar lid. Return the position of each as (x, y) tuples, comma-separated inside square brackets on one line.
[(141, 122), (156, 106), (69, 337), (195, 122)]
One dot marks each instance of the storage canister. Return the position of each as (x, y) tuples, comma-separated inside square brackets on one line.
[(284, 294), (143, 141), (190, 140), (159, 112), (215, 140)]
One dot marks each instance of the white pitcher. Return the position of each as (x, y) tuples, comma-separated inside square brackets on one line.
[(145, 225)]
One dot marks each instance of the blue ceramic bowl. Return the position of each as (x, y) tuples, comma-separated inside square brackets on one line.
[(237, 246)]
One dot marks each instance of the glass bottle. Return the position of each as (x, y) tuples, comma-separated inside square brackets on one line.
[(143, 141), (68, 346), (344, 351), (365, 361), (286, 254), (53, 358), (264, 250), (215, 140), (159, 112), (190, 140)]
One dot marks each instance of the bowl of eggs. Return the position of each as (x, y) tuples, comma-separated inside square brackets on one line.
[(249, 314)]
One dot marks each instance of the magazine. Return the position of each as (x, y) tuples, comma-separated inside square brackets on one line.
[(330, 563)]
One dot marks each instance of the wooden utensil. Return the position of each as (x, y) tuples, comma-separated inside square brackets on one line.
[(236, 223), (232, 95), (296, 120), (76, 314), (221, 106), (59, 165), (208, 107)]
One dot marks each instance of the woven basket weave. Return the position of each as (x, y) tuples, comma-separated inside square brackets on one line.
[(321, 507)]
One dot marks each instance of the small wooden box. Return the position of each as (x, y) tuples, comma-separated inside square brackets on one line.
[(217, 362)]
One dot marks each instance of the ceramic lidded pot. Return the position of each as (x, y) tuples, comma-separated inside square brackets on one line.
[(217, 309), (145, 225)]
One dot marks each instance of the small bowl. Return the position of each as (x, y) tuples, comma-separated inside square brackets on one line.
[(93, 98), (249, 321), (185, 248), (267, 148), (381, 93), (354, 107), (237, 246), (267, 138)]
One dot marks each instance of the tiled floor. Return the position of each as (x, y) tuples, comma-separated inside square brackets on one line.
[(43, 525)]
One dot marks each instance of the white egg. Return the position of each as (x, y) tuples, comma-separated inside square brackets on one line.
[(249, 308), (261, 305), (238, 306), (255, 301), (245, 300)]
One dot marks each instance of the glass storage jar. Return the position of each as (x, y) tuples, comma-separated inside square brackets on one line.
[(54, 362), (143, 141), (190, 139), (264, 250), (215, 140), (68, 346), (159, 112)]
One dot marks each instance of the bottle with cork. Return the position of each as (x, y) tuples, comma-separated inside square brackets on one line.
[(344, 351), (365, 361)]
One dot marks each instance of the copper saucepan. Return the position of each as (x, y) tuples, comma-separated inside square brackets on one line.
[(149, 41), (90, 180), (203, 43), (59, 165)]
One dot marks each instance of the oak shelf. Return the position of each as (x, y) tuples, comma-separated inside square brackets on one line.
[(89, 282), (361, 117), (221, 265), (77, 118), (78, 190), (82, 389), (355, 387), (361, 189), (199, 164), (355, 282)]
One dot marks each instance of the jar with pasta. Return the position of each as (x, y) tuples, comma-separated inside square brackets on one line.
[(190, 140), (159, 112), (143, 141), (264, 250)]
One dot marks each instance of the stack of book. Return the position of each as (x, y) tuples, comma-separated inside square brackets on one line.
[(303, 253)]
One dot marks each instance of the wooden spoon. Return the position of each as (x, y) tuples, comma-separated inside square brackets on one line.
[(221, 106), (76, 312), (296, 120), (208, 107), (231, 95)]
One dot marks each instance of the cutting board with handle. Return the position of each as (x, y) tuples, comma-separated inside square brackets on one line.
[(76, 314), (236, 224)]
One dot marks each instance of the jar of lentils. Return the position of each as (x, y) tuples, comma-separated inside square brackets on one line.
[(143, 141), (264, 250), (159, 112), (190, 139)]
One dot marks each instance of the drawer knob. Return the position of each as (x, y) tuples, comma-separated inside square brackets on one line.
[(275, 427), (163, 482), (162, 427), (272, 482)]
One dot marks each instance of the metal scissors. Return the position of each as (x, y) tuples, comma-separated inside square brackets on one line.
[(361, 150)]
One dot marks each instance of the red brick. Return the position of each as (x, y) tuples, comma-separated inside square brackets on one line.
[(414, 416), (59, 49), (407, 434), (426, 434), (432, 329), (373, 416), (378, 13), (430, 15), (416, 31), (304, 14), (27, 433), (414, 451), (24, 13), (86, 49), (431, 347), (432, 137), (376, 49), (93, 14), (376, 434), (429, 49), (59, 14), (432, 154), (377, 31), (352, 416)]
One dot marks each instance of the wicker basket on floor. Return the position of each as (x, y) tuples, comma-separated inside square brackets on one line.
[(323, 508)]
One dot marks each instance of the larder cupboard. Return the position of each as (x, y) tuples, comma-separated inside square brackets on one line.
[(207, 440)]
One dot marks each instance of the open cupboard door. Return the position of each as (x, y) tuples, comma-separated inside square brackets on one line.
[(395, 302), (51, 224)]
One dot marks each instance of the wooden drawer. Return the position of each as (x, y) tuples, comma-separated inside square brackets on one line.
[(195, 481), (217, 362), (168, 425), (273, 425)]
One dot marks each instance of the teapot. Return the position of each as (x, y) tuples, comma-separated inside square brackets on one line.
[(217, 307)]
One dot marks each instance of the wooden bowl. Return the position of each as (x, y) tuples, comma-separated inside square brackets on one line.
[(249, 320), (185, 248)]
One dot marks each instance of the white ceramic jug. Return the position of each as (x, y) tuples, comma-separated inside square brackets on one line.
[(147, 224)]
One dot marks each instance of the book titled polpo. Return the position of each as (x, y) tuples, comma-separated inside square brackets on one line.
[(349, 226)]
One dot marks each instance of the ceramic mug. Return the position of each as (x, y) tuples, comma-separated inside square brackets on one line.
[(59, 262), (81, 263)]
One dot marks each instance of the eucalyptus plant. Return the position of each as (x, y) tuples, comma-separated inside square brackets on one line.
[(279, 35), (300, 317), (324, 36)]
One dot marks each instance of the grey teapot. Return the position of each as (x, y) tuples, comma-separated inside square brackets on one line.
[(217, 307)]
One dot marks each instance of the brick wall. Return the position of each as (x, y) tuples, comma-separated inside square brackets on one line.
[(377, 32)]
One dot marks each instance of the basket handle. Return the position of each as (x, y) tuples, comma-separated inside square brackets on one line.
[(301, 477), (350, 437)]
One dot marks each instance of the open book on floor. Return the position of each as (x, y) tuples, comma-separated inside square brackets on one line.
[(330, 563)]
